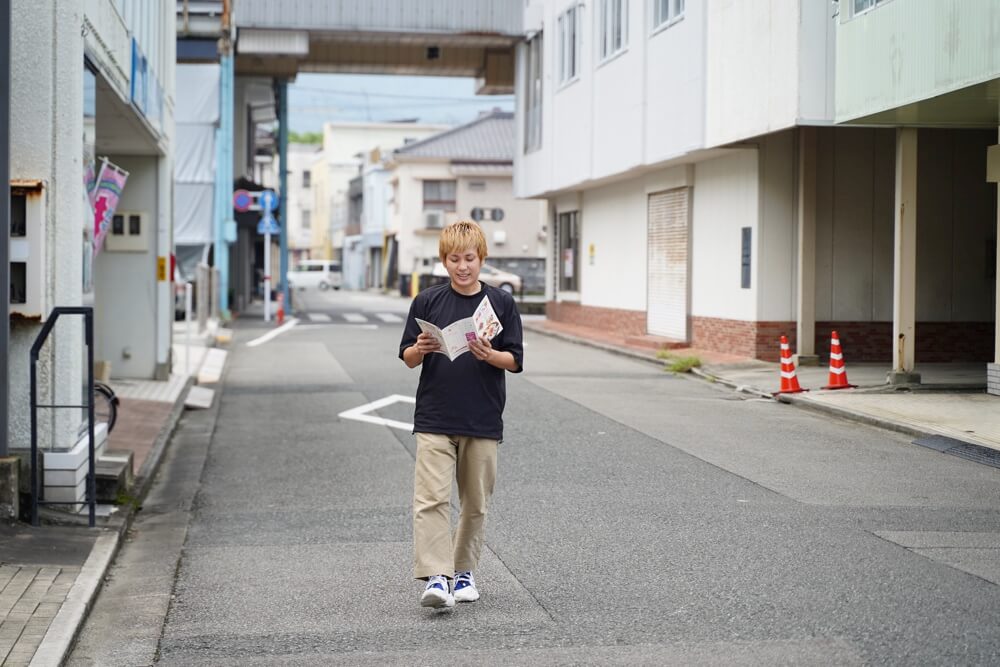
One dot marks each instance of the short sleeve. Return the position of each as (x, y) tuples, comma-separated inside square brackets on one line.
[(411, 330)]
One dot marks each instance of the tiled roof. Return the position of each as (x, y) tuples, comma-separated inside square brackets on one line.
[(488, 138)]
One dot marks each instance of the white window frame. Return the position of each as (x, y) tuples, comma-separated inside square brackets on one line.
[(666, 13), (570, 26), (870, 5), (613, 22), (534, 72)]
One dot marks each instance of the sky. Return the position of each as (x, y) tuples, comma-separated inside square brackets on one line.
[(316, 98)]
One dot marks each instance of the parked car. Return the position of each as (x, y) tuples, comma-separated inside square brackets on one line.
[(321, 273), (508, 282)]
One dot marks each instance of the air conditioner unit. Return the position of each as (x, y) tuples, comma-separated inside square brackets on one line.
[(433, 219)]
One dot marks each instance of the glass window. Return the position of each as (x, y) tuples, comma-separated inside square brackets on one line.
[(860, 6), (569, 44), (306, 219), (666, 11), (307, 179), (567, 259), (439, 195), (614, 27)]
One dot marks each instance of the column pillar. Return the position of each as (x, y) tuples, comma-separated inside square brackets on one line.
[(806, 318), (904, 289), (993, 370)]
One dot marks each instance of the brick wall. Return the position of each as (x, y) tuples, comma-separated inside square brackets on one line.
[(759, 340), (936, 341), (614, 320), (861, 341)]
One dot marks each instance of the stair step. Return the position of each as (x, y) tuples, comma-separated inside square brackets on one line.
[(114, 474)]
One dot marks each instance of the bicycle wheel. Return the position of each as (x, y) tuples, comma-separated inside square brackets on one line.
[(105, 405)]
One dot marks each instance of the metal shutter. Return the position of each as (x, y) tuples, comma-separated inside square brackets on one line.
[(667, 297)]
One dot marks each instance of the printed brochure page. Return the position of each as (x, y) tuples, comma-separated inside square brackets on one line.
[(454, 338)]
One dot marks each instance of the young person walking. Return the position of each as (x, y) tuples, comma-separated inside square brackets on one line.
[(458, 419)]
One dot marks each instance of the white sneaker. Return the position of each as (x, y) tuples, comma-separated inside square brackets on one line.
[(438, 593), (465, 587)]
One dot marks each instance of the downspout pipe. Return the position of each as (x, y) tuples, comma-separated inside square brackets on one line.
[(5, 226), (283, 176)]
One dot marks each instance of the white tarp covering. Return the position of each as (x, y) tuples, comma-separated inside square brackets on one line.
[(197, 114), (193, 208), (194, 153), (197, 96)]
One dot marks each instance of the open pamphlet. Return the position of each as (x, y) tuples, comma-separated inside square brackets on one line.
[(454, 338)]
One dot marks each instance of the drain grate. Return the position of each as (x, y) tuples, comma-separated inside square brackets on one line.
[(962, 449)]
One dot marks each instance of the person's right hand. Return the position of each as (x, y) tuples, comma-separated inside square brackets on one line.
[(426, 344)]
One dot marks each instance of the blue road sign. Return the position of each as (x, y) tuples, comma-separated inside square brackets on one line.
[(268, 200), (268, 225)]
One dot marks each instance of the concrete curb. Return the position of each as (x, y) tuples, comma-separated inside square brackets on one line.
[(62, 631), (144, 477), (66, 626)]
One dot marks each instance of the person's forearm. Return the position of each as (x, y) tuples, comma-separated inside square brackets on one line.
[(412, 357), (504, 360)]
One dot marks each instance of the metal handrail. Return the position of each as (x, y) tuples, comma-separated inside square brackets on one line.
[(38, 495)]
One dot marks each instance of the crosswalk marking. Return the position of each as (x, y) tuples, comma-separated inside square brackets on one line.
[(355, 318), (389, 317), (319, 317)]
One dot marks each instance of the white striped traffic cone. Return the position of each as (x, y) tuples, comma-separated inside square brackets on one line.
[(789, 382), (838, 372)]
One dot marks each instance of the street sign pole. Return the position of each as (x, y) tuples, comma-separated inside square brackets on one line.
[(267, 274), (267, 226)]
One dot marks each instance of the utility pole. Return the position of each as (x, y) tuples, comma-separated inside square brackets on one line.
[(5, 225)]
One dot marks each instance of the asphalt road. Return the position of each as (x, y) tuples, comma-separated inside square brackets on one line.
[(639, 518)]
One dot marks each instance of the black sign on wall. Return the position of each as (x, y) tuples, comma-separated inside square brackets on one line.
[(745, 258)]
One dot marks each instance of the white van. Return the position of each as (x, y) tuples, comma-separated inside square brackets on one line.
[(321, 273)]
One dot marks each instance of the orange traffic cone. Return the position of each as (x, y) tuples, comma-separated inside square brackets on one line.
[(280, 314), (838, 372), (789, 383)]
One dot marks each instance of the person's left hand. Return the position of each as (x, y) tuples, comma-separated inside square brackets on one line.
[(481, 348)]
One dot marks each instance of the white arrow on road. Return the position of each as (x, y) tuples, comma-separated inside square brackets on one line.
[(360, 413)]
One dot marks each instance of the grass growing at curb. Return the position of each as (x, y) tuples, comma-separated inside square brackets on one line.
[(676, 364)]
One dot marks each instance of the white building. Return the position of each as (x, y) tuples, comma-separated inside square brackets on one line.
[(300, 200), (465, 173), (89, 80), (699, 190), (344, 146)]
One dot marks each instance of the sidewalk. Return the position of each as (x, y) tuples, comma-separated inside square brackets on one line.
[(951, 401), (50, 575)]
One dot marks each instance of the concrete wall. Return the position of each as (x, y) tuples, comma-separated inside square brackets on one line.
[(956, 219), (125, 282), (46, 130), (751, 68), (726, 198), (854, 224), (777, 253), (613, 219), (522, 222), (909, 50)]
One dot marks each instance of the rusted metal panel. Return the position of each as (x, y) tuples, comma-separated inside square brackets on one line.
[(478, 17)]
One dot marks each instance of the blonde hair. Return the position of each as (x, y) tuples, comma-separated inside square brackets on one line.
[(460, 236)]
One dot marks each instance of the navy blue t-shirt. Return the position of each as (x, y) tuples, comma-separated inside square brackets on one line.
[(465, 396)]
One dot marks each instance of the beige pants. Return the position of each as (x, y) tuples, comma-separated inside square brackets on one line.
[(440, 459)]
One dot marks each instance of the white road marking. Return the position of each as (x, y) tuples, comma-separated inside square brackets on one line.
[(319, 317), (389, 317), (356, 318), (360, 413), (287, 326)]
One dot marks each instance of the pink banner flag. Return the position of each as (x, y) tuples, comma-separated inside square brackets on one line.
[(110, 183)]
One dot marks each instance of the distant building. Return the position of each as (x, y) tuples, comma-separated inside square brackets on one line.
[(465, 173), (344, 144)]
